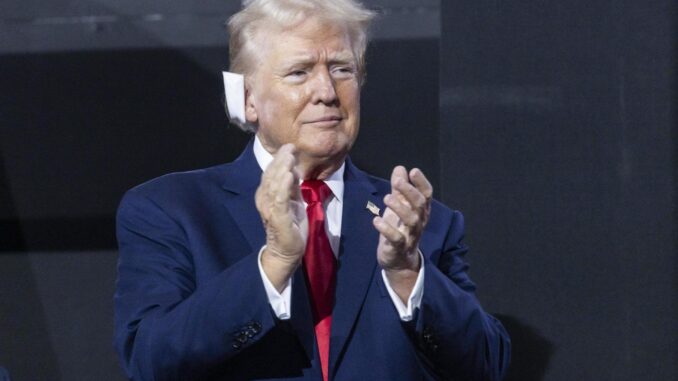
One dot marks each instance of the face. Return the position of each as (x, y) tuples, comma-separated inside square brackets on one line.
[(306, 91)]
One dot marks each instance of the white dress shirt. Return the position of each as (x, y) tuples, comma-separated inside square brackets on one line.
[(281, 301)]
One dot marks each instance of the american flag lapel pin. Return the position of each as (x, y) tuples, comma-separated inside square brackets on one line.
[(372, 208)]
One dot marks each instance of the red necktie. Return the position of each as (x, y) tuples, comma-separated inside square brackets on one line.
[(320, 266)]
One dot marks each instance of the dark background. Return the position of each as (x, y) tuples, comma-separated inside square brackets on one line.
[(551, 125)]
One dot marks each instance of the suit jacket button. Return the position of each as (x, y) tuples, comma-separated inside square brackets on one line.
[(236, 345), (242, 338)]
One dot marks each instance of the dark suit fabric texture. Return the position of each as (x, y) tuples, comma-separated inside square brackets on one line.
[(190, 303), (4, 374)]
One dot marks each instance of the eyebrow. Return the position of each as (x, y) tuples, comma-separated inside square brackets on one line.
[(341, 57)]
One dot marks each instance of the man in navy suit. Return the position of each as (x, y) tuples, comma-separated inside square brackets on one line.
[(213, 280)]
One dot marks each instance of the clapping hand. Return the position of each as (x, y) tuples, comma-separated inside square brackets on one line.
[(401, 227)]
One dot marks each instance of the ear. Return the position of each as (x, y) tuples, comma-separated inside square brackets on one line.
[(250, 106)]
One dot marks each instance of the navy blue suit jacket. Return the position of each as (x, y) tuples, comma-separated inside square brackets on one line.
[(190, 303)]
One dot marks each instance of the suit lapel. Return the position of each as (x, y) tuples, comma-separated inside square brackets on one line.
[(242, 178), (357, 259)]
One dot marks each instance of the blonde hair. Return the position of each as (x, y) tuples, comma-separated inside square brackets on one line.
[(244, 26)]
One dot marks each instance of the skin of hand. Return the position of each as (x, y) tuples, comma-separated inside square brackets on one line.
[(275, 198), (401, 227)]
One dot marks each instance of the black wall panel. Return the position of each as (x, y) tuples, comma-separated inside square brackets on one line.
[(556, 141)]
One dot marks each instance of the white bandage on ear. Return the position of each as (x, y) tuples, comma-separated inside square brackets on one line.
[(234, 88)]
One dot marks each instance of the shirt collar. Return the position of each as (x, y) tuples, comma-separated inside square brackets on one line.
[(335, 182)]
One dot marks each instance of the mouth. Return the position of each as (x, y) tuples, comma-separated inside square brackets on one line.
[(326, 120)]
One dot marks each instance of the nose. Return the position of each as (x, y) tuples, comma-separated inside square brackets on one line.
[(323, 88)]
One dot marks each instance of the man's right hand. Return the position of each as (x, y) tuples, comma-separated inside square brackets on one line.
[(279, 203)]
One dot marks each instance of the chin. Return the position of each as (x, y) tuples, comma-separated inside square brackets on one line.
[(327, 148)]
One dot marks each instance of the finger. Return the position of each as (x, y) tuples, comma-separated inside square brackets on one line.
[(411, 194), (277, 185), (391, 217), (273, 176), (388, 231), (403, 211), (281, 194), (283, 164), (261, 202), (399, 172), (288, 148), (284, 160), (279, 177), (285, 150), (419, 180)]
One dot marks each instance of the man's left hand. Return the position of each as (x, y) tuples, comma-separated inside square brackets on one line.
[(401, 226)]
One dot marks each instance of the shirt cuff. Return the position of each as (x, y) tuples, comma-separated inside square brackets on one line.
[(279, 301), (414, 301)]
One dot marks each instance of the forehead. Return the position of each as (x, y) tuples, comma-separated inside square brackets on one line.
[(312, 39)]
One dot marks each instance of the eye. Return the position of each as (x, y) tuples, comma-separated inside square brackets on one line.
[(343, 72), (296, 73)]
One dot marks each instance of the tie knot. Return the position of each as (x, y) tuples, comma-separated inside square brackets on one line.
[(315, 191)]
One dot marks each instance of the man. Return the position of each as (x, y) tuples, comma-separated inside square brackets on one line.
[(224, 275)]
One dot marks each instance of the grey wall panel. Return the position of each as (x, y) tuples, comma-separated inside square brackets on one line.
[(556, 128), (85, 25)]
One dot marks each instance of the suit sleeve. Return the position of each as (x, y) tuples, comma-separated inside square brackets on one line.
[(455, 336), (166, 327)]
